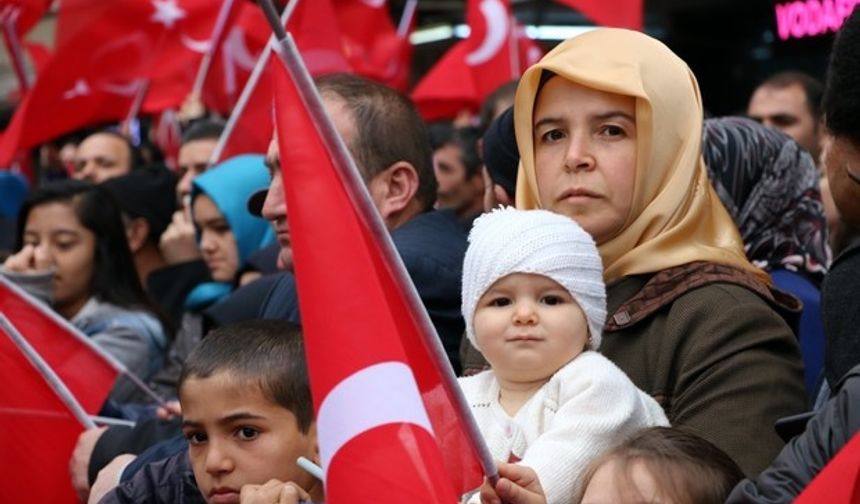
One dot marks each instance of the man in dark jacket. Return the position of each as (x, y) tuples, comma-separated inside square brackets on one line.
[(392, 153)]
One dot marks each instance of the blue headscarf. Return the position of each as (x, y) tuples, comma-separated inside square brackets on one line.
[(229, 185)]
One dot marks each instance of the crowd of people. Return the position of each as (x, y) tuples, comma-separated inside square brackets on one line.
[(641, 304)]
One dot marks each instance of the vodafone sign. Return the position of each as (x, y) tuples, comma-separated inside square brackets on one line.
[(808, 18)]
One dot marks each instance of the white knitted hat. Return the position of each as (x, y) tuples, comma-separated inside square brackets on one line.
[(508, 240)]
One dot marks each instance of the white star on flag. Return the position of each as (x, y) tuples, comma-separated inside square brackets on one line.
[(80, 89), (167, 12)]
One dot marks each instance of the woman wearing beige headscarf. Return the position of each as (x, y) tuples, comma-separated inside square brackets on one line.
[(609, 127)]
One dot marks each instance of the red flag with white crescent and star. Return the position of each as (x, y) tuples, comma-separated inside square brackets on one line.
[(319, 41), (96, 72), (392, 424), (496, 52)]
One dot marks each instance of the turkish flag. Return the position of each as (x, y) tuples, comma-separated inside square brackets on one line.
[(38, 432), (249, 128), (182, 50), (839, 481), (94, 75), (319, 41), (496, 52), (24, 13), (189, 25), (618, 13), (87, 371), (235, 58), (392, 424), (373, 47)]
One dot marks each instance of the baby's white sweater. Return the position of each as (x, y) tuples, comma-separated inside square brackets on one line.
[(587, 406)]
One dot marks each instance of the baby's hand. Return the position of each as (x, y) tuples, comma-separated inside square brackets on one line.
[(517, 484), (273, 492)]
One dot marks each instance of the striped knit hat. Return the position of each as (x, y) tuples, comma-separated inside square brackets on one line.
[(508, 240)]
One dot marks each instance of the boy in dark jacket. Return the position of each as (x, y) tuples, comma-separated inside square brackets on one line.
[(247, 416)]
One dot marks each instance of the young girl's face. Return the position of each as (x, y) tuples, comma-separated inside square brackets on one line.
[(217, 243), (59, 238), (635, 485), (528, 327), (237, 436)]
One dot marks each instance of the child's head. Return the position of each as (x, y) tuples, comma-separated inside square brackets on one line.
[(246, 407), (661, 464), (533, 292)]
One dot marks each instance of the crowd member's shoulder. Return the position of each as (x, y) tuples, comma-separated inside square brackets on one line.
[(806, 455)]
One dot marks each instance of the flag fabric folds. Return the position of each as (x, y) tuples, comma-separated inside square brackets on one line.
[(618, 13), (38, 431), (249, 128), (96, 72), (374, 47), (88, 372), (24, 13), (496, 52), (391, 421)]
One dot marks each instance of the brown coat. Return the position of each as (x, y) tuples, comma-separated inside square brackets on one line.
[(706, 341)]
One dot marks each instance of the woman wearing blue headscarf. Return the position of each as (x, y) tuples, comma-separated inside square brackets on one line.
[(227, 233), (227, 236)]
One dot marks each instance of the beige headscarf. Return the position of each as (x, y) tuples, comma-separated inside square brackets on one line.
[(675, 217)]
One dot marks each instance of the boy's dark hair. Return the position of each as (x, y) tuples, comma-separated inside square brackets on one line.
[(268, 353), (203, 129), (812, 88), (685, 467), (842, 94), (444, 133), (388, 129)]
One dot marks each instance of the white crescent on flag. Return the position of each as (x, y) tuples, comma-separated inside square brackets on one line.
[(497, 23), (121, 88), (198, 46), (235, 53), (377, 395), (376, 4)]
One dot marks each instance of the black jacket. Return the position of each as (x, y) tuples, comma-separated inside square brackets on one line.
[(805, 455), (168, 481)]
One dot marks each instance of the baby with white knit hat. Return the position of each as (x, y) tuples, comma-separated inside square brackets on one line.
[(534, 303)]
